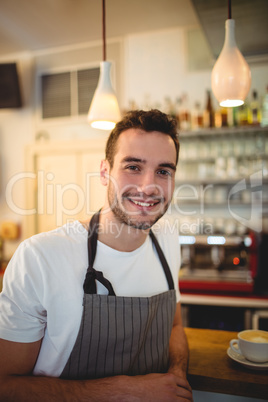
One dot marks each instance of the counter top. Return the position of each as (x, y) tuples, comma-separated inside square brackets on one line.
[(212, 370), (225, 300)]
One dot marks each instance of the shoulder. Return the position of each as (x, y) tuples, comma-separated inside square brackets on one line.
[(46, 265), (65, 235), (49, 248)]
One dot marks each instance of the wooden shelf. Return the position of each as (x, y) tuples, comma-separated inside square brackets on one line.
[(224, 131)]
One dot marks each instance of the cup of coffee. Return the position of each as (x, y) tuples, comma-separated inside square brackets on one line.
[(252, 344)]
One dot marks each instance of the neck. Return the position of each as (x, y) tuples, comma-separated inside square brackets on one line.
[(118, 235)]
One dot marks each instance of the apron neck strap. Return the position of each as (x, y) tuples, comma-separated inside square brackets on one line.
[(93, 238), (92, 275), (162, 260)]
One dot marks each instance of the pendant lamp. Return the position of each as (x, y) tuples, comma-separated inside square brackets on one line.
[(104, 111), (231, 76)]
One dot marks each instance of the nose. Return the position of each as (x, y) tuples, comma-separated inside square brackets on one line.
[(147, 184)]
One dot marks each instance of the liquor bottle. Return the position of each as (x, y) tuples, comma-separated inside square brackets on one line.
[(208, 116), (168, 106), (221, 117), (184, 114), (243, 114), (254, 110), (196, 117), (224, 117), (264, 118), (178, 104)]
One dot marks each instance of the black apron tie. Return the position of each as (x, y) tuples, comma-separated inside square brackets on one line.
[(92, 275), (90, 282)]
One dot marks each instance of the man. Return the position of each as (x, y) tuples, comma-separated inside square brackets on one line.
[(91, 311)]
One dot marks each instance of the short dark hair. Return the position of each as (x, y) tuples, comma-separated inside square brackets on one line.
[(152, 120)]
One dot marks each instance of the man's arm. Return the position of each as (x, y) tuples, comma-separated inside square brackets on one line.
[(17, 361), (178, 347)]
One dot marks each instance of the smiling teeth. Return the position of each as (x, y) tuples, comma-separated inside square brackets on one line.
[(143, 204)]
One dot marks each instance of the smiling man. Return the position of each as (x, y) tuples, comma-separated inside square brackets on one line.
[(144, 181), (90, 315)]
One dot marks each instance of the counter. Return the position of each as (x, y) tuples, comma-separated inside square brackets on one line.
[(223, 311), (212, 370), (249, 301)]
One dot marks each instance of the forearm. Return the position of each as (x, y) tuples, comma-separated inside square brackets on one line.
[(48, 389), (178, 351), (150, 388)]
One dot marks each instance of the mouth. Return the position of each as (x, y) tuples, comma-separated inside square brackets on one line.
[(144, 203)]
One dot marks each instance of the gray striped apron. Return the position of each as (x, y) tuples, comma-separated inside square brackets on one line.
[(121, 335)]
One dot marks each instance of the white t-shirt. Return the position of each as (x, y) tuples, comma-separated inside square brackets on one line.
[(43, 286)]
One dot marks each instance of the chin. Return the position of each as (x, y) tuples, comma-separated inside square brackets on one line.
[(144, 224)]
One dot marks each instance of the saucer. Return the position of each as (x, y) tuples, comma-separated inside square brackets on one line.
[(242, 360)]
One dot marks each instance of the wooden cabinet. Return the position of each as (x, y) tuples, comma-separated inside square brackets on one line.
[(63, 182), (56, 189)]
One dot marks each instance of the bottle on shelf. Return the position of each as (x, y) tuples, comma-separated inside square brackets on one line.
[(235, 116), (196, 117), (254, 110), (221, 117), (209, 115), (184, 114), (224, 117), (178, 105), (169, 107), (264, 117), (242, 114), (217, 118)]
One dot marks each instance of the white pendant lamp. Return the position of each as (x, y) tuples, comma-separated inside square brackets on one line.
[(231, 76), (104, 111)]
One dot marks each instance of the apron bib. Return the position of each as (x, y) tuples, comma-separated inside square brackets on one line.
[(121, 335)]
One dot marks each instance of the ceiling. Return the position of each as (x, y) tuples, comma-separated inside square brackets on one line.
[(251, 21), (31, 25)]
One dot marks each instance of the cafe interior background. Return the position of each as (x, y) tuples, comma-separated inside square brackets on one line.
[(162, 54)]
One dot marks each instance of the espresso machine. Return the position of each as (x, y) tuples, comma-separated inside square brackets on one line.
[(219, 263)]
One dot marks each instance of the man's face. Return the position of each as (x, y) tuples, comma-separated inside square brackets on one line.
[(142, 178)]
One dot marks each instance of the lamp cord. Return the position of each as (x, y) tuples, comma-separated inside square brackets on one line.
[(103, 30), (229, 10)]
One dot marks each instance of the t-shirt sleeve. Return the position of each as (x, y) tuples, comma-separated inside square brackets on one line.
[(22, 316)]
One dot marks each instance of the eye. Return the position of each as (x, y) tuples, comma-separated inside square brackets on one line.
[(132, 168), (164, 172)]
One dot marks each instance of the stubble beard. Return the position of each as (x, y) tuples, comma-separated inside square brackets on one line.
[(124, 217)]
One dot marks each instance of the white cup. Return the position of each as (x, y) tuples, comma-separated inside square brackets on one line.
[(252, 344)]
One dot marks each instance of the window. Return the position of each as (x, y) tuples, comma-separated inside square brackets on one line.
[(68, 93)]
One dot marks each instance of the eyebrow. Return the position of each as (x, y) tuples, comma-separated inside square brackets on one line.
[(169, 165)]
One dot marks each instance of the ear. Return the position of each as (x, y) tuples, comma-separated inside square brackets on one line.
[(104, 172)]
